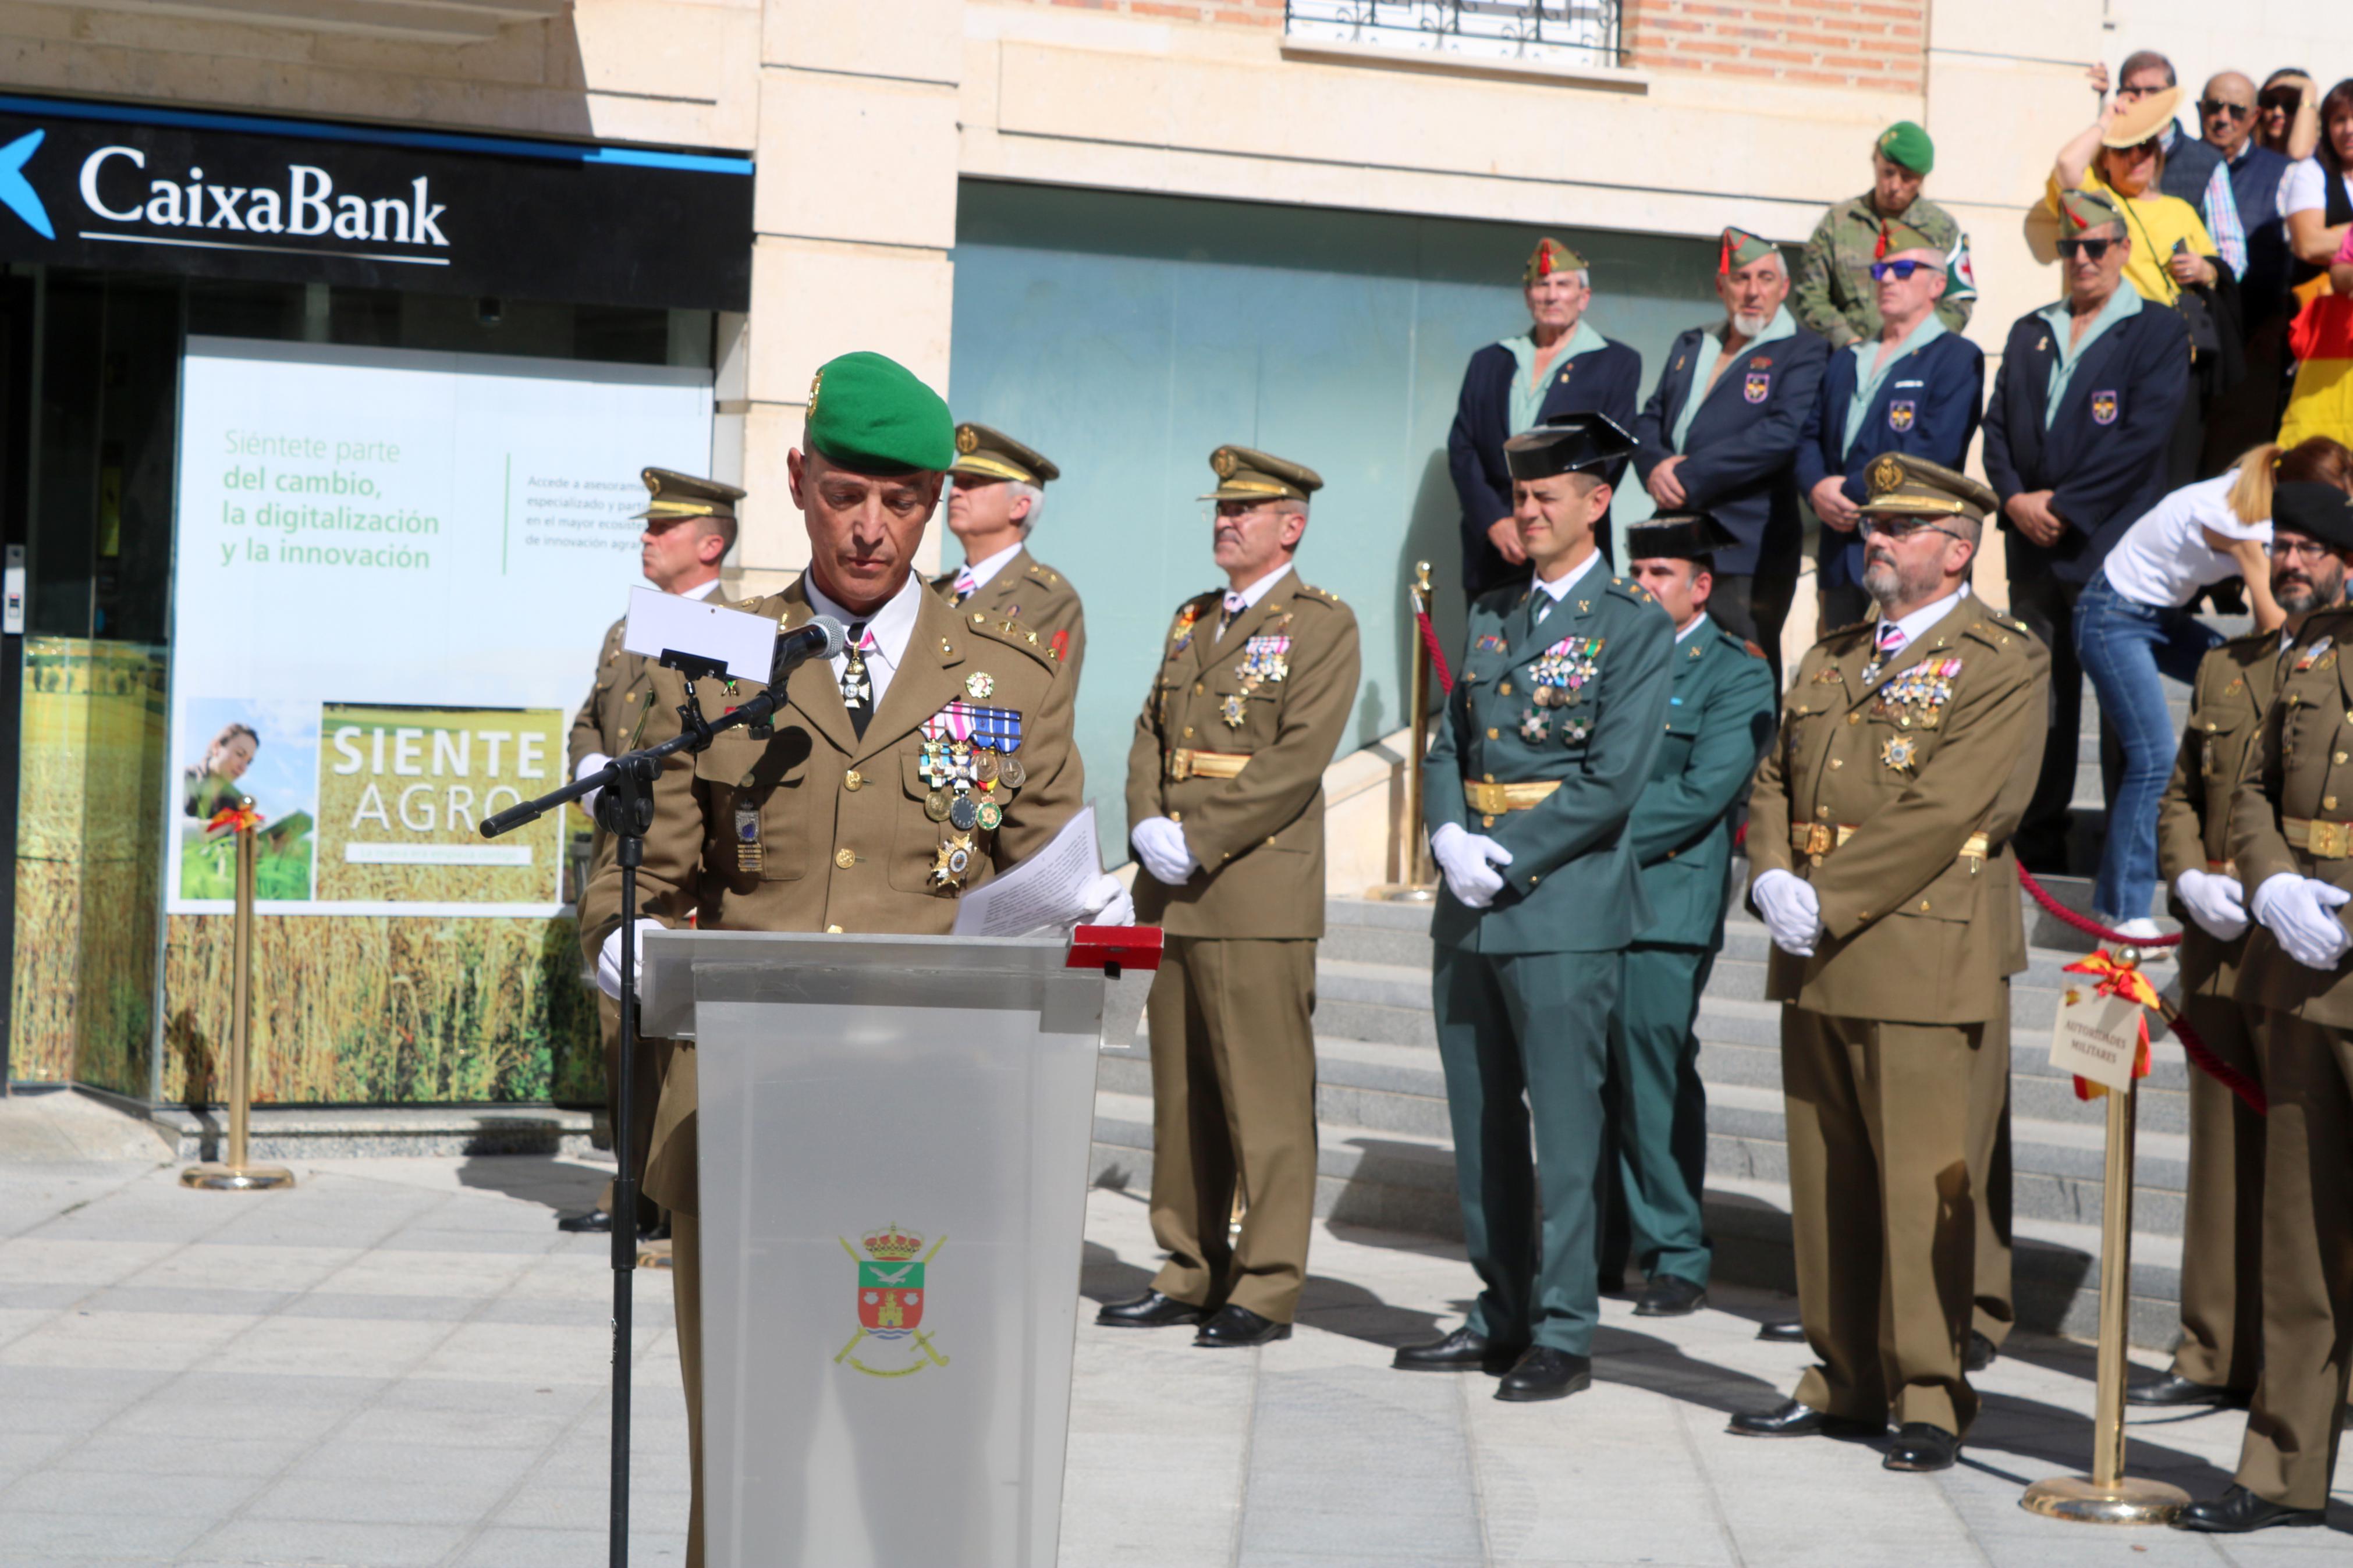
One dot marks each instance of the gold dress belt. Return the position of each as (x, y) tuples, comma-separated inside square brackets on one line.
[(1184, 762), (2321, 840), (1491, 799), (1819, 839)]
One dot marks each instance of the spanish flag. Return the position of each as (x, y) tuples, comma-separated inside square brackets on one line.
[(2321, 338)]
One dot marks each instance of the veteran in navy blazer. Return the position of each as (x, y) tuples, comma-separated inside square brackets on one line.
[(1913, 387), (1560, 366), (2074, 446), (1720, 434)]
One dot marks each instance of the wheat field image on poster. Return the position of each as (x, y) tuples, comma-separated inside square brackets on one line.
[(236, 746)]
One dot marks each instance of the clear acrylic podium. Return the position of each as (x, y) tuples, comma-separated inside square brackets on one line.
[(893, 1137)]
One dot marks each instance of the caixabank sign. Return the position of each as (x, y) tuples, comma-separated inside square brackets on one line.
[(105, 185)]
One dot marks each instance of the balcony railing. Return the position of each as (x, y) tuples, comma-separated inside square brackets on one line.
[(1559, 32)]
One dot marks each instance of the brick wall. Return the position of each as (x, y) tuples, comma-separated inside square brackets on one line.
[(1876, 44), (1235, 13)]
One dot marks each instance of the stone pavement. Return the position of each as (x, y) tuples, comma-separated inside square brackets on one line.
[(402, 1362)]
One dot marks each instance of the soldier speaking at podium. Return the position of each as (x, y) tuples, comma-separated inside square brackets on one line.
[(836, 824), (1548, 739), (996, 491)]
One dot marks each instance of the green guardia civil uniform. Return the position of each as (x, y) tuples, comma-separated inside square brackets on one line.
[(1025, 590), (1243, 716), (1550, 735), (1892, 788), (1719, 720), (2221, 1232)]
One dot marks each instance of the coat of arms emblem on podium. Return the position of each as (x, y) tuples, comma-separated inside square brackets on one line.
[(890, 1292)]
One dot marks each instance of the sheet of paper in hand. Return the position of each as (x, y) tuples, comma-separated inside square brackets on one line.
[(1047, 891), (2097, 1037)]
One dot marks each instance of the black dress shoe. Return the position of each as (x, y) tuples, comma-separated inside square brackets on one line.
[(596, 1222), (1544, 1372), (1150, 1310), (1922, 1446), (1238, 1328), (1461, 1351), (1670, 1296), (1979, 1356), (1791, 1419), (2174, 1392), (1787, 1331), (2239, 1510)]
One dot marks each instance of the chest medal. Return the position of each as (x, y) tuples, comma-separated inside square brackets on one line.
[(1535, 725), (1563, 670), (1919, 695), (1265, 660), (1899, 752)]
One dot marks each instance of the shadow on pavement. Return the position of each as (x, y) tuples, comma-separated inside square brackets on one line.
[(560, 1185)]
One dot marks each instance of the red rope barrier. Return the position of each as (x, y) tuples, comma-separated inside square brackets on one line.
[(1437, 655), (2090, 928)]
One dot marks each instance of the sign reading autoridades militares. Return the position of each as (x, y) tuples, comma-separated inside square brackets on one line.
[(130, 187)]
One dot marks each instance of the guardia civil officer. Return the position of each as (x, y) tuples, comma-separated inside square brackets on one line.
[(1719, 719), (997, 491), (815, 829), (1549, 737), (1879, 830), (1225, 809), (2221, 1234), (2292, 837), (690, 527)]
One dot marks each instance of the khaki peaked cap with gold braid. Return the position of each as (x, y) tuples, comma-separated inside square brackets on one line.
[(1245, 475)]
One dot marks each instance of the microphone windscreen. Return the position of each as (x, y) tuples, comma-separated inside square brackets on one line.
[(836, 637)]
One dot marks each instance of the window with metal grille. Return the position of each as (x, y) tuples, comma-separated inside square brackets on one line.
[(1567, 32)]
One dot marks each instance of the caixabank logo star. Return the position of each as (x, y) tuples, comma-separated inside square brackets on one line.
[(17, 192), (892, 1292)]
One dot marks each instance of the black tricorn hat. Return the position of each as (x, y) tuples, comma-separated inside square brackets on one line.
[(1677, 536), (1566, 444)]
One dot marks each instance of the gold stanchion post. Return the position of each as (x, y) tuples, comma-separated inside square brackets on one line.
[(236, 1174), (1413, 852), (2108, 1496)]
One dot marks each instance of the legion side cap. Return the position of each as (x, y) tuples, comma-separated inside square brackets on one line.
[(1550, 257), (672, 494), (1677, 536), (1895, 237), (1907, 143), (1245, 475), (869, 412), (2316, 510), (985, 454), (1740, 248), (1566, 444), (2088, 209), (1903, 485)]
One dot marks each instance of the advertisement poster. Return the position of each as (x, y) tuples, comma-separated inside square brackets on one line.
[(393, 570)]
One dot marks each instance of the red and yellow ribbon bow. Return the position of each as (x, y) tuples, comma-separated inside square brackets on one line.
[(2124, 980), (236, 818)]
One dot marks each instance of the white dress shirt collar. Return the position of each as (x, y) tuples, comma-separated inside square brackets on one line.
[(1261, 588), (1558, 588), (983, 570), (701, 590), (1697, 621), (888, 630), (1917, 623)]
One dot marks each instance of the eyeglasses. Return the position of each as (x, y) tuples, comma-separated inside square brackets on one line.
[(2136, 92), (1900, 270), (2093, 249), (2311, 549), (1901, 528), (2214, 106)]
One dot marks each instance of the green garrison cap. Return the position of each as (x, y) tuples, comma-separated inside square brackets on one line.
[(1906, 143), (1551, 256), (1897, 237), (672, 494), (2316, 510), (985, 454), (2087, 209), (1903, 485), (870, 413), (1566, 444), (1245, 475), (1741, 249), (1677, 536)]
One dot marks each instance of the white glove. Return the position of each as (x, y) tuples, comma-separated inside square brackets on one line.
[(608, 958), (2213, 902), (2301, 913), (1107, 903), (590, 763), (1468, 860), (1792, 911), (1160, 845)]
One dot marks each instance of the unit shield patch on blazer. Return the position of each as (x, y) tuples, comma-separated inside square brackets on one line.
[(1759, 386), (2103, 408), (1900, 413)]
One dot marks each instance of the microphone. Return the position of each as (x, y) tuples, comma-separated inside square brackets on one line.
[(824, 637)]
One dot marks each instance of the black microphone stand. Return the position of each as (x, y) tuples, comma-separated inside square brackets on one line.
[(626, 810)]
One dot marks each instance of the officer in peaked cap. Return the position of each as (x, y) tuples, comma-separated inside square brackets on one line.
[(690, 527), (1719, 719), (1879, 833), (1550, 735), (1225, 810), (811, 830), (997, 491)]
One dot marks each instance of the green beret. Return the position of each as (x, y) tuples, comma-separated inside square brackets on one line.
[(869, 412), (1741, 249), (1906, 143), (2087, 209)]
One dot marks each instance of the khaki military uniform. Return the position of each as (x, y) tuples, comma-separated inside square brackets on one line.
[(820, 829), (2291, 813), (1231, 745), (1034, 596), (1895, 798), (2221, 1243), (1833, 293)]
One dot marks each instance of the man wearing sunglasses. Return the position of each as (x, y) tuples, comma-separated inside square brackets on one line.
[(2248, 414), (2075, 438), (1879, 831), (1835, 293)]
